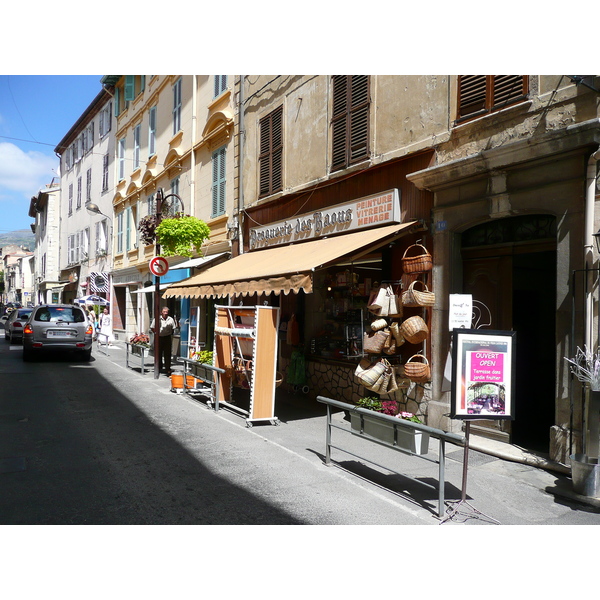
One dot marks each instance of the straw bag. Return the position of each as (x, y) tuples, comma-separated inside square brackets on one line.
[(382, 383), (392, 384), (378, 324), (414, 330), (418, 372), (390, 346), (395, 304), (420, 263), (398, 337), (370, 376), (380, 305), (373, 341), (413, 297)]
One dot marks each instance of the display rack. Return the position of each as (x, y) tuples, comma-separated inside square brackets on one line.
[(245, 347)]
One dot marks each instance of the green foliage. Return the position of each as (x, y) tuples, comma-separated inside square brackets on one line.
[(203, 356), (370, 403), (180, 235)]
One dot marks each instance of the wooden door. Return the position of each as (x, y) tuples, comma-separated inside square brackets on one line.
[(489, 280)]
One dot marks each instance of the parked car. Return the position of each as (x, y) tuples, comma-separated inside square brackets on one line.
[(13, 328), (57, 328), (4, 318)]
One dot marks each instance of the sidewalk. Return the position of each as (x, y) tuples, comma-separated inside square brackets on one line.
[(506, 483)]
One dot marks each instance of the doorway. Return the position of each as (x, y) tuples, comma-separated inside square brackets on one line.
[(515, 277)]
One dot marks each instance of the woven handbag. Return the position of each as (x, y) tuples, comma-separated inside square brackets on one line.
[(392, 384), (414, 297), (414, 330), (395, 305), (420, 263), (395, 329), (373, 341), (418, 372), (368, 377), (382, 382), (378, 324)]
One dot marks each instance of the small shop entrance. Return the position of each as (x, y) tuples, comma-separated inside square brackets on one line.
[(516, 279)]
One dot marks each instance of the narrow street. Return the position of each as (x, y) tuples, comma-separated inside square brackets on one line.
[(96, 443)]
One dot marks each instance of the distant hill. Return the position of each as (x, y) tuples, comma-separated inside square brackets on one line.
[(21, 237)]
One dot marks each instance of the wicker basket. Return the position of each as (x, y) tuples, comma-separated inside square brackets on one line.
[(378, 324), (418, 372), (420, 263), (413, 297), (414, 330), (373, 342)]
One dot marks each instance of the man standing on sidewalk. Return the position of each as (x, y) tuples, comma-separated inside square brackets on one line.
[(165, 339)]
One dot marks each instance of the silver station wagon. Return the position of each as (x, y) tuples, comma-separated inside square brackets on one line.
[(57, 328)]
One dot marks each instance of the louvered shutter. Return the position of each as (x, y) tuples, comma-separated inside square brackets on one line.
[(350, 120), (218, 183), (508, 89), (479, 94), (271, 152), (339, 121), (129, 87), (359, 118)]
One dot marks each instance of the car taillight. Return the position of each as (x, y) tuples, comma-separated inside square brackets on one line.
[(18, 324), (28, 329), (89, 330)]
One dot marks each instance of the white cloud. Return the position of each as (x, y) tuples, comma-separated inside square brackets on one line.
[(24, 172)]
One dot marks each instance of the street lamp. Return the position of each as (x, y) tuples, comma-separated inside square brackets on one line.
[(171, 204)]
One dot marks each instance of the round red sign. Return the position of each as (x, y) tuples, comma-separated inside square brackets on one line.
[(158, 266)]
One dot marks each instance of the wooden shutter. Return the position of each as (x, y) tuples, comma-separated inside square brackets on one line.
[(480, 94), (508, 89), (218, 184), (129, 87), (350, 120), (271, 152)]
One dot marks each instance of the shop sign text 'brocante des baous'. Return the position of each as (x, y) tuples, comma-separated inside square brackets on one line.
[(379, 209)]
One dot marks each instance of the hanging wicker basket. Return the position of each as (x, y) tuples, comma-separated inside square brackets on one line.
[(420, 263), (418, 372), (412, 297), (414, 330)]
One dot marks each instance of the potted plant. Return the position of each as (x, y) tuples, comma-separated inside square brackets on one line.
[(180, 235), (385, 430), (140, 344), (585, 470)]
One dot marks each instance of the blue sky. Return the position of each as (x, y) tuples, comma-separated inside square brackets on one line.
[(36, 111)]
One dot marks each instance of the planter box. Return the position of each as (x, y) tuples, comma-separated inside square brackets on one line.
[(139, 351), (412, 440)]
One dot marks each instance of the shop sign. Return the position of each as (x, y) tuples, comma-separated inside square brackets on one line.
[(483, 374), (371, 211), (461, 311)]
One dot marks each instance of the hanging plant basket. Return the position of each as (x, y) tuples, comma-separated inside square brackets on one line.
[(147, 229), (181, 235)]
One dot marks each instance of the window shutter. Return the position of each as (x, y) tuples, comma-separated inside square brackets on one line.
[(472, 94), (359, 118), (350, 120), (218, 187), (129, 87), (117, 101), (271, 152), (480, 94), (508, 89)]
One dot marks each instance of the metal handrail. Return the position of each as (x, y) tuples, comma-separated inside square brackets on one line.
[(441, 435)]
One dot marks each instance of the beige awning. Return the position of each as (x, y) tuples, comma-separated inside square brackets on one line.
[(284, 269)]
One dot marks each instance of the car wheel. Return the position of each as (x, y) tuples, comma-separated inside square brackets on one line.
[(86, 354), (27, 355)]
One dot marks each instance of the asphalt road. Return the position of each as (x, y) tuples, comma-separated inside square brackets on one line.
[(96, 443)]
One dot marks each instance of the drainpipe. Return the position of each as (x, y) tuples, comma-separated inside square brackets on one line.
[(240, 202), (193, 155), (588, 248)]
